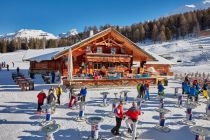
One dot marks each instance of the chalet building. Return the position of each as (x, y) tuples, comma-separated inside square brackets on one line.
[(105, 54)]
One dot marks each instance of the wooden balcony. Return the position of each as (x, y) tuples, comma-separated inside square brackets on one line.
[(104, 57)]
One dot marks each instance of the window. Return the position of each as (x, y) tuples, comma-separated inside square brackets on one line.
[(99, 50), (88, 49), (97, 65), (122, 50), (113, 50)]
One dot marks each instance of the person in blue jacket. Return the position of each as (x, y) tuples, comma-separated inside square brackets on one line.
[(192, 90), (197, 87), (160, 88), (83, 92), (186, 87)]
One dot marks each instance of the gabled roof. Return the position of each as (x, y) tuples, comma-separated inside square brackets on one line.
[(55, 53), (100, 34), (42, 54)]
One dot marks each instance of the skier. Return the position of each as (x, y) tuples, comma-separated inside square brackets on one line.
[(183, 84), (146, 86), (58, 93), (18, 70), (160, 89), (119, 114), (192, 92), (53, 76), (138, 89), (7, 67), (197, 90), (132, 115), (205, 89), (51, 97), (142, 91), (41, 96), (13, 64), (83, 92), (72, 97)]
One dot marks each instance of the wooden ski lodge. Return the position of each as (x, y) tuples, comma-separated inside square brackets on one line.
[(107, 56)]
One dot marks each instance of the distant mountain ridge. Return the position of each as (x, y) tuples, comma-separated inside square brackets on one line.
[(191, 7), (27, 34)]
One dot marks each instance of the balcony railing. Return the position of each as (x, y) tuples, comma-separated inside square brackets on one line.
[(104, 57)]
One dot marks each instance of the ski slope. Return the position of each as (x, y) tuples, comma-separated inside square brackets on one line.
[(194, 53)]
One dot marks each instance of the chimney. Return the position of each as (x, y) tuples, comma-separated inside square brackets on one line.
[(91, 33)]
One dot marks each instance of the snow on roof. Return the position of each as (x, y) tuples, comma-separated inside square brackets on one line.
[(160, 60), (42, 54)]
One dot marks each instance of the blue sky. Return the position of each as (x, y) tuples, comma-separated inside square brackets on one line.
[(57, 16)]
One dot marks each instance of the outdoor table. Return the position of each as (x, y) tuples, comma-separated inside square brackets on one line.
[(50, 129), (161, 126), (104, 104), (114, 105), (81, 117), (200, 132), (189, 106), (206, 115), (23, 85), (47, 120), (176, 90), (94, 122), (161, 101), (125, 95), (180, 100)]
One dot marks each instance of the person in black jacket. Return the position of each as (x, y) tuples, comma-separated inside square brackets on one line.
[(51, 97)]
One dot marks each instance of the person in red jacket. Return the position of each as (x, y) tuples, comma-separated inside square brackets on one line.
[(41, 96), (119, 114), (132, 114)]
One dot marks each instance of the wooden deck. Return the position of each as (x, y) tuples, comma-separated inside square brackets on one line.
[(107, 82)]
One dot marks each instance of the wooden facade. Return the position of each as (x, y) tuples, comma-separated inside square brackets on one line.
[(107, 51)]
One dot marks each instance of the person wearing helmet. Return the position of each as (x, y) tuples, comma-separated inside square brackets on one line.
[(58, 93), (119, 114), (132, 114)]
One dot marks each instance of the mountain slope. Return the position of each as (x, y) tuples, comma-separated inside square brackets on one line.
[(27, 34), (190, 55), (191, 7)]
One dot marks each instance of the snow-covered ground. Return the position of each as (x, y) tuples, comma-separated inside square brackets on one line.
[(18, 119), (194, 53), (17, 109)]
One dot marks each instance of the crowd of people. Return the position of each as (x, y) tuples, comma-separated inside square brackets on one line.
[(54, 95), (5, 65), (132, 115), (143, 90), (192, 89)]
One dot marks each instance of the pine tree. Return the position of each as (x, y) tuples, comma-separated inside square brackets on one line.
[(168, 34), (183, 26), (154, 33), (4, 46), (136, 35), (142, 33), (162, 36)]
